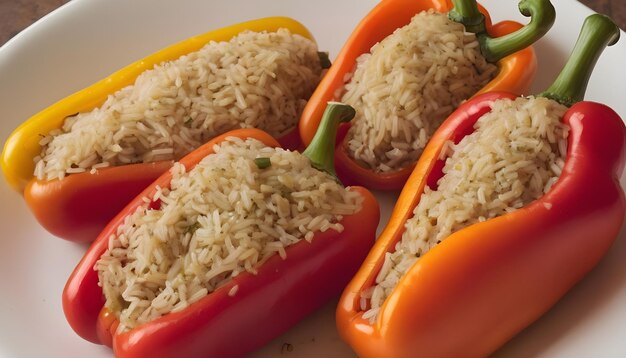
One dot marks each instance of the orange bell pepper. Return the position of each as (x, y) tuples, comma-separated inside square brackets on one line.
[(485, 283), (265, 305), (79, 206), (509, 48)]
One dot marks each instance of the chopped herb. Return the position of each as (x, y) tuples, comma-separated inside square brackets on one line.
[(188, 121), (191, 229), (262, 162)]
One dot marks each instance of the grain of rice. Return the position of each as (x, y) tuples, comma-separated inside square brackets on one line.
[(509, 177), (407, 85), (163, 260), (178, 105)]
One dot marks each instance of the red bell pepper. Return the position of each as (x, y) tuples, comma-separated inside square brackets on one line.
[(266, 304), (510, 48), (485, 283)]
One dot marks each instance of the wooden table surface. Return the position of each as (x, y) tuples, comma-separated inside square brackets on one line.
[(16, 15)]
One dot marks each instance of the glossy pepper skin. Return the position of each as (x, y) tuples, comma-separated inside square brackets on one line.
[(486, 282), (265, 305), (68, 208), (516, 74)]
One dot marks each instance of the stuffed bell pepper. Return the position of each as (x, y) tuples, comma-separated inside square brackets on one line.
[(81, 160), (229, 248), (512, 202), (406, 67)]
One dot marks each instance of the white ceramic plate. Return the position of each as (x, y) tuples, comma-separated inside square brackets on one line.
[(86, 40)]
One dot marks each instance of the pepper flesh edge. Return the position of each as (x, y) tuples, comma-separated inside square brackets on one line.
[(505, 272), (515, 75), (23, 144), (311, 274)]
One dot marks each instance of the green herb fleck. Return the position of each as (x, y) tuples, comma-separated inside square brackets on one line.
[(191, 229), (262, 162), (188, 121)]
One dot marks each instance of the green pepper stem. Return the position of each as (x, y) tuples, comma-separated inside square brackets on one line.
[(324, 59), (597, 33), (542, 17), (321, 151), (541, 14), (466, 12)]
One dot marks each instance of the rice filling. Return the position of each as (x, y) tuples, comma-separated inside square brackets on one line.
[(407, 85), (224, 217), (513, 157), (257, 79)]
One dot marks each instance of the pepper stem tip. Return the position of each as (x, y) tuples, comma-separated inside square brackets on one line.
[(542, 16), (324, 59)]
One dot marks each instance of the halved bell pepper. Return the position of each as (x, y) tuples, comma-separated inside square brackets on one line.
[(485, 283), (266, 304), (509, 48), (78, 207)]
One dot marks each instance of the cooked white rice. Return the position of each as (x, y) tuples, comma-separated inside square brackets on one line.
[(259, 80), (514, 156), (407, 85), (223, 217)]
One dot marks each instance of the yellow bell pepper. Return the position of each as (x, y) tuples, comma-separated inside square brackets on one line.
[(43, 196), (23, 144)]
